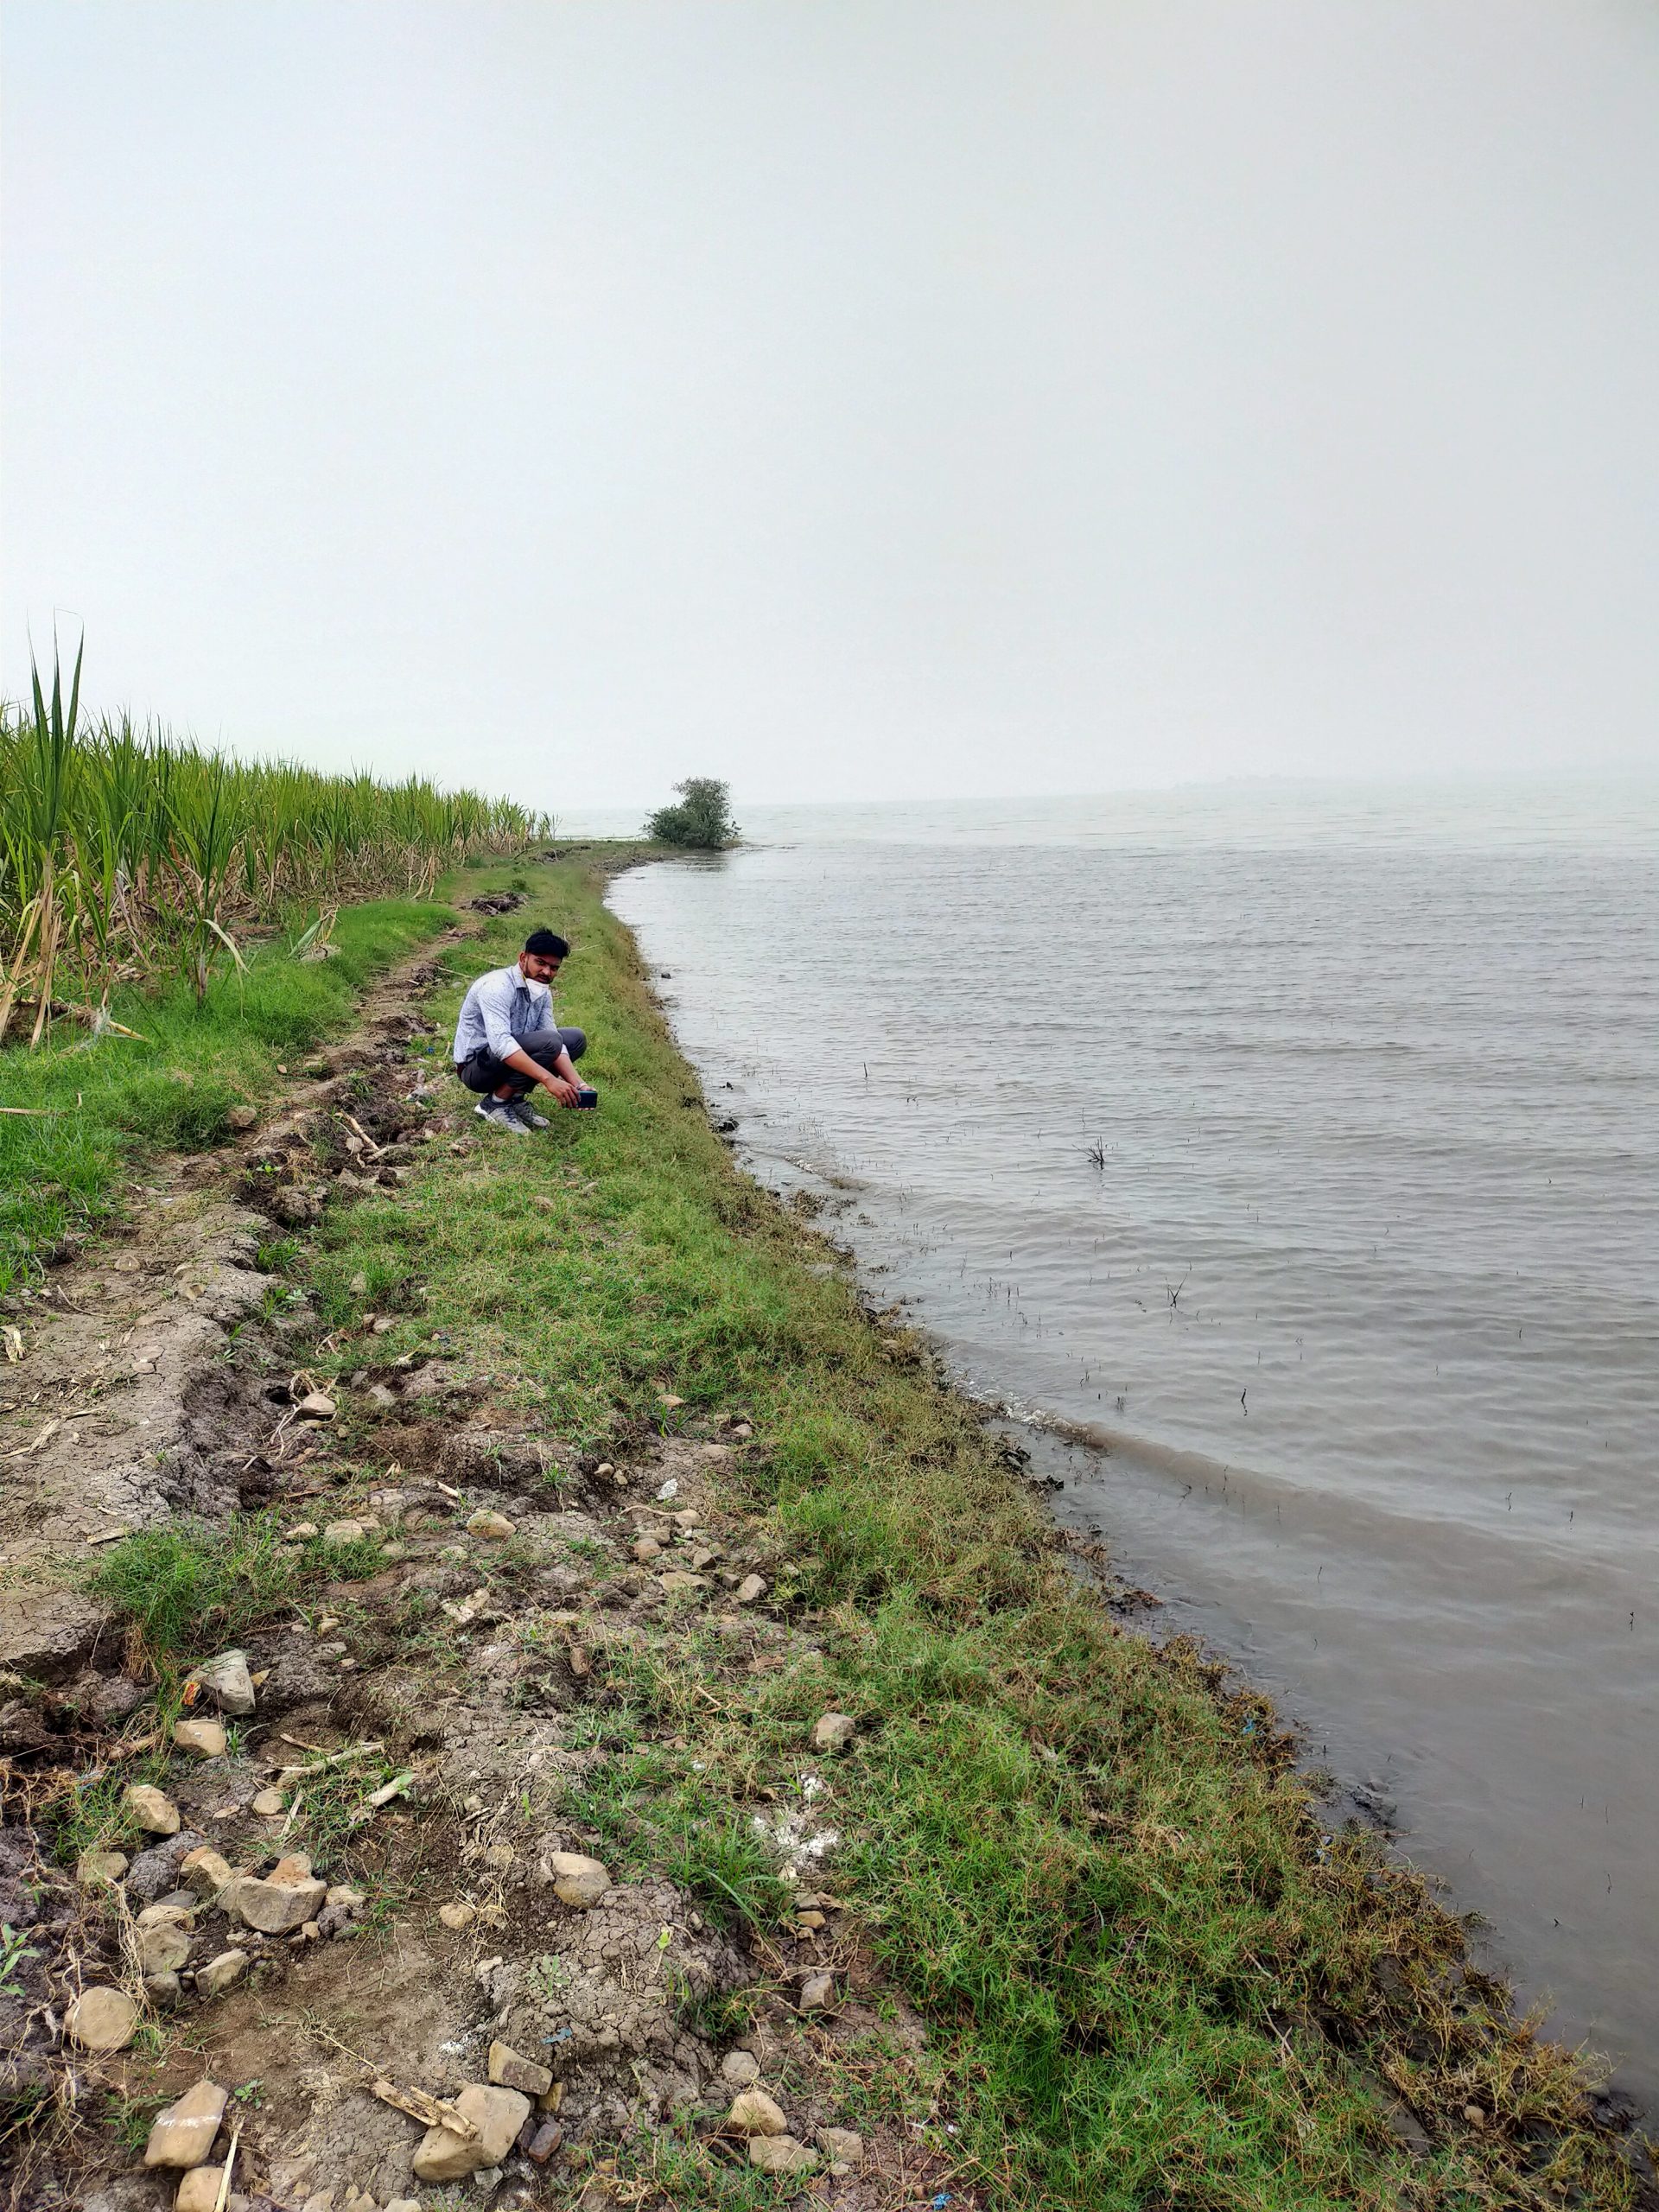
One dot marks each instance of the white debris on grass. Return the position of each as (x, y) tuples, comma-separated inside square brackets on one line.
[(671, 1488)]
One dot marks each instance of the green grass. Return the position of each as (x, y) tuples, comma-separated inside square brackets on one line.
[(104, 1106), (1149, 1980), (192, 1590)]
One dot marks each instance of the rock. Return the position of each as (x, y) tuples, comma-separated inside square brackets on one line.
[(485, 1524), (833, 1731), (343, 1899), (167, 1913), (45, 1634), (497, 2113), (343, 1532), (458, 1914), (509, 2071), (241, 1117), (740, 2067), (647, 1548), (226, 1682), (294, 1866), (163, 1949), (183, 2134), (164, 1988), (102, 2019), (156, 1813), (753, 2113), (841, 2146), (750, 1590), (303, 1532), (199, 2189), (781, 2154), (316, 1405), (220, 1973), (576, 1881), (206, 1739), (95, 1869), (541, 2145), (206, 1872), (275, 1907), (678, 1584), (267, 1804), (155, 1871), (817, 1992)]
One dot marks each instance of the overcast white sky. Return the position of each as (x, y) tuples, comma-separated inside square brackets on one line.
[(854, 399)]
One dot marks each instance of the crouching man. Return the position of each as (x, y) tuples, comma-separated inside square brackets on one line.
[(508, 1044)]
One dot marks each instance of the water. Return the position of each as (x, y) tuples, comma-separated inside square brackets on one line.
[(1360, 1304)]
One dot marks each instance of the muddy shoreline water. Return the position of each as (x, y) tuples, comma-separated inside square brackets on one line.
[(715, 1414)]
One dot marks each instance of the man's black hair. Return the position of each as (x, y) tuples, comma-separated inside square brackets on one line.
[(545, 942)]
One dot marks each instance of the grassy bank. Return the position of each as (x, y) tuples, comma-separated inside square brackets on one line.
[(79, 1114), (1151, 1977)]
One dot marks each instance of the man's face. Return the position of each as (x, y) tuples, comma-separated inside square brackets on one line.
[(539, 967)]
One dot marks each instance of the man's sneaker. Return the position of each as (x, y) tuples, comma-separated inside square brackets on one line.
[(499, 1113), (525, 1115)]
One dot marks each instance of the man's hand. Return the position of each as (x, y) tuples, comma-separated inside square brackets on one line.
[(563, 1091)]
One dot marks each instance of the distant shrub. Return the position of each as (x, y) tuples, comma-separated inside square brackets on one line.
[(702, 820)]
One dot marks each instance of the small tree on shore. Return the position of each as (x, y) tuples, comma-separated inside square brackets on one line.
[(701, 820)]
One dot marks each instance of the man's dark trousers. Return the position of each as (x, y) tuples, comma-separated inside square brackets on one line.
[(485, 1073)]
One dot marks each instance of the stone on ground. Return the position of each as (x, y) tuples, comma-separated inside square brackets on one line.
[(458, 1913), (740, 2067), (183, 2134), (227, 1684), (316, 1405), (843, 2145), (817, 1992), (577, 1881), (162, 1949), (199, 2189), (509, 2070), (102, 2019), (220, 1973), (781, 2154), (206, 1739), (498, 2114), (267, 1804), (156, 1813), (485, 1524), (206, 1872), (276, 1907), (753, 2113), (751, 1590), (95, 1869), (833, 1731), (339, 1533)]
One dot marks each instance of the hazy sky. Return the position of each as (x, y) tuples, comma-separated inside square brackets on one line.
[(851, 397)]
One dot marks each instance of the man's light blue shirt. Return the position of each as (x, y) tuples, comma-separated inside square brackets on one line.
[(500, 1008)]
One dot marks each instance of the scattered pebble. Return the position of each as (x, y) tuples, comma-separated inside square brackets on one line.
[(206, 1738), (267, 1804), (485, 1523), (740, 2067), (183, 2134), (458, 1914), (577, 1881), (833, 1731), (155, 1813), (102, 2019), (498, 2115), (226, 1683), (753, 2113), (94, 1869), (817, 1992), (316, 1405), (220, 1973), (781, 2154), (750, 1590), (343, 1532)]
